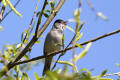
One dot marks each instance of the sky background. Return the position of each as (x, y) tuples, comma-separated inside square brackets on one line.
[(103, 54)]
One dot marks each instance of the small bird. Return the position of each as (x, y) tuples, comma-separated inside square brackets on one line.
[(53, 42)]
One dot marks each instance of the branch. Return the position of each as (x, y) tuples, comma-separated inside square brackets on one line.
[(9, 11), (34, 39), (40, 17), (54, 53), (2, 12), (31, 22)]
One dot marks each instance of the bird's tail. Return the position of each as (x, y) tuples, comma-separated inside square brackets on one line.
[(47, 64)]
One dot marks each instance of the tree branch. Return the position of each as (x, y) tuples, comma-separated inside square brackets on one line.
[(40, 17), (34, 39), (54, 53), (31, 22)]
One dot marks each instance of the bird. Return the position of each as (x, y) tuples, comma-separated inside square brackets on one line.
[(53, 42)]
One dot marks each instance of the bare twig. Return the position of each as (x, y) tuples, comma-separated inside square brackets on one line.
[(90, 5), (31, 21), (54, 53), (40, 17)]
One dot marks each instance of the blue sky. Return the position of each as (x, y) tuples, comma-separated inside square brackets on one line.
[(103, 54)]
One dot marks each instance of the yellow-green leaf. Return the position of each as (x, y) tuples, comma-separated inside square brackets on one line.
[(68, 63), (18, 45), (63, 39), (25, 76), (78, 37), (80, 46), (105, 79), (1, 28), (83, 53), (37, 42), (36, 76), (118, 65), (103, 73), (101, 15), (4, 3), (70, 28), (11, 6)]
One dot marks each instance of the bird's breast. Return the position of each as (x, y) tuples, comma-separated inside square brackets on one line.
[(54, 41)]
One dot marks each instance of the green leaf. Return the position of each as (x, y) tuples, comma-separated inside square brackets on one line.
[(83, 53), (63, 40), (78, 37), (81, 26), (14, 10), (7, 56), (18, 45), (105, 79), (26, 57), (1, 28), (8, 78), (70, 29), (68, 63), (46, 15), (4, 3), (77, 15), (22, 36), (103, 73), (65, 62), (36, 76), (8, 46), (17, 68), (26, 31), (37, 42), (38, 13), (14, 48), (25, 76), (80, 46), (88, 72), (26, 41), (118, 65), (101, 15), (52, 4), (47, 11)]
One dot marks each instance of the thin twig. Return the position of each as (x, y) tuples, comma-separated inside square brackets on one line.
[(40, 17), (31, 21), (90, 5), (2, 12), (9, 11), (57, 52), (79, 6), (64, 52)]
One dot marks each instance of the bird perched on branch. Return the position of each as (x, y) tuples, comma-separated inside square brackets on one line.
[(53, 42)]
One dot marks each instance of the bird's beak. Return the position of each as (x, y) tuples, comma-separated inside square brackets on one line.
[(65, 22)]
